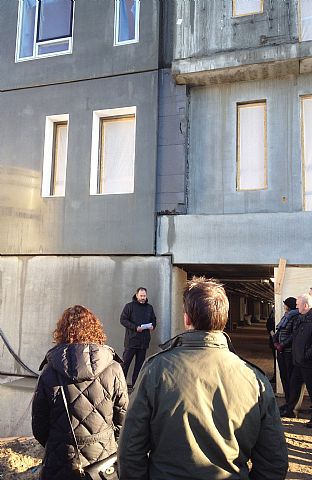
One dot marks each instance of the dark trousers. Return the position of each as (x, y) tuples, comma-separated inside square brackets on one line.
[(300, 375), (129, 353), (285, 365)]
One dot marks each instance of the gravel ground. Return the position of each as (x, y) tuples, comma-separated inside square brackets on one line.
[(20, 457)]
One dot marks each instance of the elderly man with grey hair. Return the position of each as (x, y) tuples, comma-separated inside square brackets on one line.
[(302, 355)]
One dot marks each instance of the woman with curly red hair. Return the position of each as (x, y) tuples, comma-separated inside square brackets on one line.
[(96, 393)]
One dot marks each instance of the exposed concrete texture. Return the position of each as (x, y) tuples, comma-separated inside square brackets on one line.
[(94, 54), (208, 26), (213, 146), (179, 278), (172, 135), (236, 239), (77, 223), (34, 291)]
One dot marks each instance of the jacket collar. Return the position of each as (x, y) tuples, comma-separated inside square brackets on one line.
[(199, 338)]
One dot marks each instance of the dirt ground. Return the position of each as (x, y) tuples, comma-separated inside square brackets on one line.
[(20, 457)]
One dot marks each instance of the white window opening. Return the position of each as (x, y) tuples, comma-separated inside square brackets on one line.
[(127, 14), (55, 156), (305, 20), (251, 146), (247, 7), (44, 28), (113, 151), (306, 125)]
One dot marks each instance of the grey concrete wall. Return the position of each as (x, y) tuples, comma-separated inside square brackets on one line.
[(254, 239), (172, 140), (212, 151), (207, 26), (34, 291), (179, 278), (78, 222), (93, 52)]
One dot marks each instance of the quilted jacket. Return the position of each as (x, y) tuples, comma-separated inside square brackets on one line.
[(97, 398)]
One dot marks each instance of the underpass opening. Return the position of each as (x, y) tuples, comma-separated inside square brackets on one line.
[(250, 289)]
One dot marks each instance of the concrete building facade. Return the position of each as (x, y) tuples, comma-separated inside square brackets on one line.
[(144, 141)]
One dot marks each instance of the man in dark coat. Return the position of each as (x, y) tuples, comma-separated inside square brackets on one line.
[(301, 355), (139, 319)]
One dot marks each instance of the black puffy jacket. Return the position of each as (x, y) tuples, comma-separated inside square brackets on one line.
[(133, 315), (97, 398), (284, 333), (302, 341)]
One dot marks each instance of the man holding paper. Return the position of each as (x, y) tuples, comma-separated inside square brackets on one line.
[(139, 319)]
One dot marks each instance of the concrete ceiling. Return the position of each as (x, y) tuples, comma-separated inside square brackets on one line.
[(252, 281)]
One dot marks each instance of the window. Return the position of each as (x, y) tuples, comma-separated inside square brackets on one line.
[(55, 156), (306, 147), (126, 21), (251, 146), (305, 20), (44, 28), (247, 7), (113, 151)]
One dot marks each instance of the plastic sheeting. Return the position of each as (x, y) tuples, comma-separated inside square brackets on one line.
[(247, 7), (251, 149), (305, 8), (118, 148), (307, 151)]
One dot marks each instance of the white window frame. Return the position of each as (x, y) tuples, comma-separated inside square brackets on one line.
[(304, 154), (301, 39), (95, 145), (36, 45), (240, 106), (48, 154), (116, 24), (234, 14)]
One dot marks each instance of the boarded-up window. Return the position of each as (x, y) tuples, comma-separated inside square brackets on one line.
[(116, 160), (306, 125), (247, 7), (113, 151), (305, 19), (251, 146)]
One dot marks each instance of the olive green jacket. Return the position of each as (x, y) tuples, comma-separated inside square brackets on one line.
[(200, 412)]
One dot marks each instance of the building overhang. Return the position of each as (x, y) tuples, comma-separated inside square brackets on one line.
[(253, 238), (261, 63)]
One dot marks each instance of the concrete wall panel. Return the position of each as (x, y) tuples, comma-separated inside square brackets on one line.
[(78, 222), (236, 239), (34, 291), (94, 54)]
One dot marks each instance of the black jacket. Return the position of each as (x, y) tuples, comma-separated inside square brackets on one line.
[(97, 398), (285, 329), (133, 315), (302, 341)]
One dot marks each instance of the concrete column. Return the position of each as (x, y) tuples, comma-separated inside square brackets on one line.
[(256, 311), (265, 310), (179, 278), (242, 310)]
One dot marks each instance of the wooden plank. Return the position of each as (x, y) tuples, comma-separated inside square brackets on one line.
[(280, 276)]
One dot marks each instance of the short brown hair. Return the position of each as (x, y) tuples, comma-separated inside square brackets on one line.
[(79, 325), (206, 303)]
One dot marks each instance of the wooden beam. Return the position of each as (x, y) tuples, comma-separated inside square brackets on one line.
[(280, 276)]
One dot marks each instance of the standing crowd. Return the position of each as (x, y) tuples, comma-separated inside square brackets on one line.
[(197, 410)]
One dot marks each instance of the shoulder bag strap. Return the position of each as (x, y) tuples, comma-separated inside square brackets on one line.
[(81, 471)]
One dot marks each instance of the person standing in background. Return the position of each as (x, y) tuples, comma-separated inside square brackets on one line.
[(139, 320), (283, 344)]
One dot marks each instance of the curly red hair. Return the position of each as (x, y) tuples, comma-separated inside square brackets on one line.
[(79, 325)]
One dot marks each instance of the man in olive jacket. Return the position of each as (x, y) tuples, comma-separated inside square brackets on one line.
[(198, 411)]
